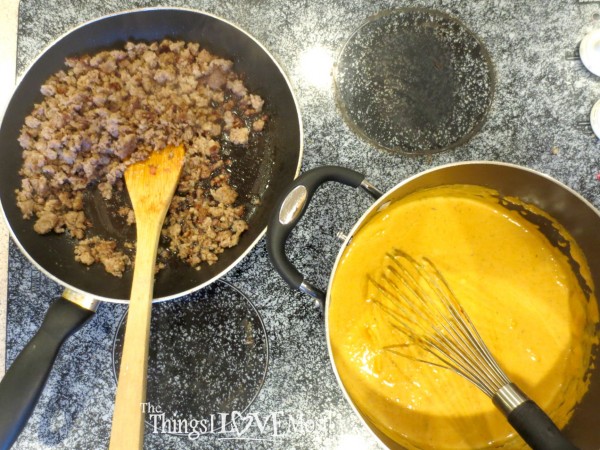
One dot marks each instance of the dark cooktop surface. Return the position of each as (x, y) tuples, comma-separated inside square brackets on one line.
[(414, 81), (538, 118)]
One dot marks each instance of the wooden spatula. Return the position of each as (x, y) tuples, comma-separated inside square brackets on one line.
[(151, 185)]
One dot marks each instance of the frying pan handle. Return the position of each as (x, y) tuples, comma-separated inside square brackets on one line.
[(24, 381), (290, 208)]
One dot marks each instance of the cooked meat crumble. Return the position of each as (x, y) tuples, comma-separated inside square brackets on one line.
[(89, 251), (109, 110)]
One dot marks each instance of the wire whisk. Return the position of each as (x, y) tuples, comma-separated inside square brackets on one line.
[(419, 303)]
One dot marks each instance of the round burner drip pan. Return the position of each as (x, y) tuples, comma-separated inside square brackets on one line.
[(208, 358), (414, 81)]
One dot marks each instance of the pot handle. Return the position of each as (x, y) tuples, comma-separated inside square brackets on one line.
[(290, 208), (22, 385)]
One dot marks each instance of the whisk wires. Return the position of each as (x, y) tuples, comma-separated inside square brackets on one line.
[(419, 303)]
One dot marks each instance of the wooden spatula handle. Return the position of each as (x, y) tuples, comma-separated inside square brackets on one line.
[(128, 418), (151, 185)]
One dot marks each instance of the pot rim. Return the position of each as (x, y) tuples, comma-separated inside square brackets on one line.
[(378, 204)]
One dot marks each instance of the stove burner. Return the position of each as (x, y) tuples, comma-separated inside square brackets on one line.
[(208, 357), (414, 81)]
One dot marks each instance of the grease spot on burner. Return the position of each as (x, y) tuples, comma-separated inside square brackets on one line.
[(208, 355), (414, 81)]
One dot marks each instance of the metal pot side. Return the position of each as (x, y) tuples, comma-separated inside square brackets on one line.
[(578, 216)]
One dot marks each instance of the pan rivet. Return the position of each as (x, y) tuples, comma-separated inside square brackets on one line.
[(383, 206), (341, 236)]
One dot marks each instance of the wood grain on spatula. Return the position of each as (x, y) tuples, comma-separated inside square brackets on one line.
[(151, 185)]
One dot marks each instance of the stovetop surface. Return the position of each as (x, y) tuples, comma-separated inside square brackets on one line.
[(538, 119)]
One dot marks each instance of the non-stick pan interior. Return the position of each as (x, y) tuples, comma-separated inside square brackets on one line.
[(258, 171)]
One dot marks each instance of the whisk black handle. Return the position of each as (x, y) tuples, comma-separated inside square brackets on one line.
[(290, 208), (537, 429)]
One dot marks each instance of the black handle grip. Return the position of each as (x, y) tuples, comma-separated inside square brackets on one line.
[(290, 208), (24, 381), (537, 429)]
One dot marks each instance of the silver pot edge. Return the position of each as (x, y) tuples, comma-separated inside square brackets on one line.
[(438, 176)]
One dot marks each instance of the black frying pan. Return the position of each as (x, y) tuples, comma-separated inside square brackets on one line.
[(260, 171)]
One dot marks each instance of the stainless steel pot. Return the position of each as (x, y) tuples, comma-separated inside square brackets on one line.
[(572, 211)]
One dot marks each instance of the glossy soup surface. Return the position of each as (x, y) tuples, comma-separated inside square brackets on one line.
[(519, 291)]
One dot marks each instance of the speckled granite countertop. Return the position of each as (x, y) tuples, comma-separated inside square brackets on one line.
[(542, 96), (8, 51)]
